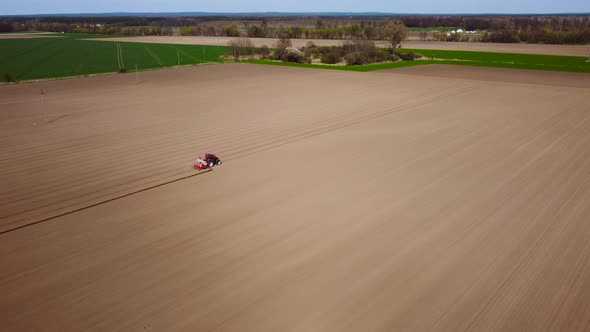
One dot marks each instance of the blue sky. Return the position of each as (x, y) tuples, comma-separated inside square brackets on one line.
[(8, 7)]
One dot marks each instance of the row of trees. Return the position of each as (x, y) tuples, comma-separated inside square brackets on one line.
[(544, 35), (497, 22), (381, 32), (469, 22), (530, 29), (6, 27), (128, 31), (89, 28)]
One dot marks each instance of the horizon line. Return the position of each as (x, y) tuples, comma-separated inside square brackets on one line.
[(294, 13)]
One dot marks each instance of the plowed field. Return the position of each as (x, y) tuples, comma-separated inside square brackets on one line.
[(346, 202)]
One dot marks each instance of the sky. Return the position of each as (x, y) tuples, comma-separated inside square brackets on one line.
[(19, 7)]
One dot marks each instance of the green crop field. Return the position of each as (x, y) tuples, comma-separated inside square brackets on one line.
[(28, 59), (509, 60), (466, 58)]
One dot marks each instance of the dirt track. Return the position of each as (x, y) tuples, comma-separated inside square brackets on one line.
[(347, 202), (574, 50)]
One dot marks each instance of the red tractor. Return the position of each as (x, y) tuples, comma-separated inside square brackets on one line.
[(208, 162)]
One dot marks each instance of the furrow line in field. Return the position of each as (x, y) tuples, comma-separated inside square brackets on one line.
[(78, 68), (493, 298), (153, 55), (344, 124)]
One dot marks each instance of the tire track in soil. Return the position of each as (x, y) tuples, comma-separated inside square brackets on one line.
[(154, 55)]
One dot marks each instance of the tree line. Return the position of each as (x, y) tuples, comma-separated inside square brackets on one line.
[(254, 31), (530, 29)]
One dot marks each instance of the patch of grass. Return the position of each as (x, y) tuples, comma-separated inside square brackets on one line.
[(29, 59)]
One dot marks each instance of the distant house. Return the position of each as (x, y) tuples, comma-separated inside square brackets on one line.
[(460, 30)]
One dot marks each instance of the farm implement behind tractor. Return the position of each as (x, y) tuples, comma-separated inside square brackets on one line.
[(208, 162)]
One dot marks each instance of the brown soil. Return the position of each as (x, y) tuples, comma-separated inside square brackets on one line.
[(542, 77), (574, 50), (346, 202)]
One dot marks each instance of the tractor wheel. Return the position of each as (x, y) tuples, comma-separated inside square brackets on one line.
[(211, 164), (219, 162)]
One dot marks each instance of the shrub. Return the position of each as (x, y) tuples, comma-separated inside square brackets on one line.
[(8, 77), (376, 55), (338, 51), (279, 54), (355, 59), (332, 54), (311, 50), (230, 31), (282, 48), (293, 57), (331, 58), (407, 56), (255, 31), (264, 51), (501, 36), (122, 70)]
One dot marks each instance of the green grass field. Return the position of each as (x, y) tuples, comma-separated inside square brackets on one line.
[(28, 59), (465, 58), (510, 60)]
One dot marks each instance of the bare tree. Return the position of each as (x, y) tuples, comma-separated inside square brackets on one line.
[(284, 43), (240, 47), (395, 32)]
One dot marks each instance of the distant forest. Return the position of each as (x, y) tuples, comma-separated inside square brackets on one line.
[(547, 29)]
